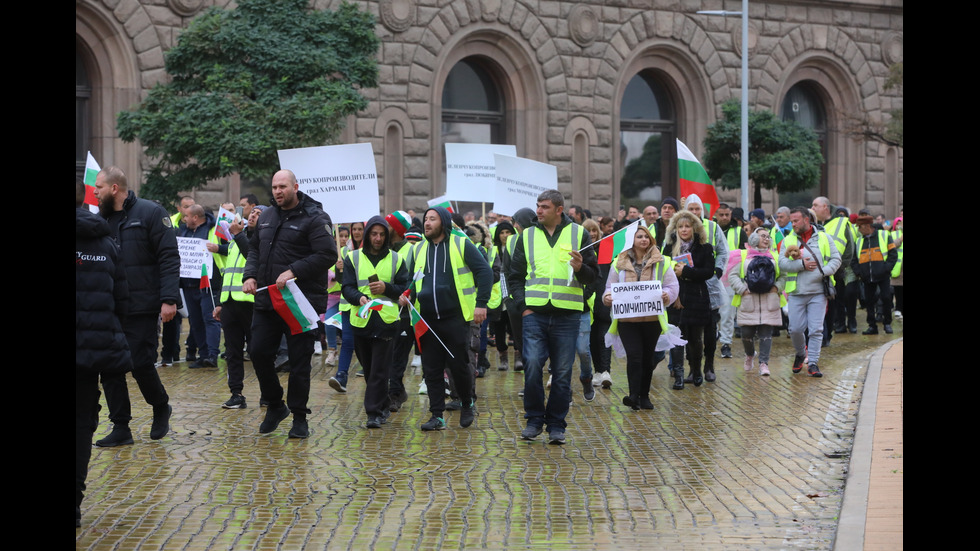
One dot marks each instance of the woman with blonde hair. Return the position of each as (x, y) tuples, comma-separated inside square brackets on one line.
[(642, 262), (694, 260)]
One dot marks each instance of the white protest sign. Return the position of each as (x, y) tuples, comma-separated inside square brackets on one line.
[(193, 253), (470, 170), (519, 182), (637, 299), (343, 178)]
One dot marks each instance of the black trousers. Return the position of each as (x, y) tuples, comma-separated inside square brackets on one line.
[(399, 363), (375, 356), (236, 321), (884, 289), (267, 331), (454, 333), (141, 334), (640, 341), (86, 421)]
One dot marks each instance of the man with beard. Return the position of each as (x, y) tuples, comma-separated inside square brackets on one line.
[(148, 248), (452, 285), (293, 240)]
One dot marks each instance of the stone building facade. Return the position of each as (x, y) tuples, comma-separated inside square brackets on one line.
[(581, 85)]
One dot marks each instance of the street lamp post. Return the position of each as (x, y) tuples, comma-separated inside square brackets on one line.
[(745, 95)]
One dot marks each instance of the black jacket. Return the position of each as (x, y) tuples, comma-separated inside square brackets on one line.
[(351, 291), (693, 294), (148, 250), (100, 298), (438, 297), (299, 239)]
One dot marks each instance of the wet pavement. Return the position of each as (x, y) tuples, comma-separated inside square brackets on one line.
[(747, 462)]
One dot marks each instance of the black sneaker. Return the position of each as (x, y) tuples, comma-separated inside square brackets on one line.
[(530, 432), (300, 428), (645, 402), (435, 423), (588, 390), (872, 330), (726, 351), (161, 421), (466, 416), (888, 329), (556, 437), (120, 436), (798, 363), (237, 401), (813, 371), (273, 416), (454, 405), (374, 422)]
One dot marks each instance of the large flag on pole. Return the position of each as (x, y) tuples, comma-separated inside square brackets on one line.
[(611, 245), (91, 171), (694, 179), (293, 307)]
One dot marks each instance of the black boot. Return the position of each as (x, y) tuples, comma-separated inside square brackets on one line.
[(678, 378)]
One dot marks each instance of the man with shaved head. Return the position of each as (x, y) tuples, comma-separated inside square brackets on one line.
[(292, 240)]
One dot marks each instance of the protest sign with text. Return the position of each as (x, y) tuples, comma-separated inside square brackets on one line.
[(520, 181), (193, 253), (637, 299), (470, 170), (342, 178)]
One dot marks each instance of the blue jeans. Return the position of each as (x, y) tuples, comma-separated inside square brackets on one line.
[(331, 331), (549, 337), (582, 347)]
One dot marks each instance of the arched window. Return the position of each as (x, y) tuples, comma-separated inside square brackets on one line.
[(472, 109), (83, 112), (646, 139), (804, 105)]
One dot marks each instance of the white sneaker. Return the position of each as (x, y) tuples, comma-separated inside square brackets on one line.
[(417, 361), (317, 348), (897, 314), (597, 380), (606, 380), (422, 388)]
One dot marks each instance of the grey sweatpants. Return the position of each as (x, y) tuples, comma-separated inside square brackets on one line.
[(807, 312)]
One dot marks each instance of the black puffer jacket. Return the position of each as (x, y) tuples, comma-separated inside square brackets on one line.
[(148, 250), (693, 295), (299, 239), (100, 298)]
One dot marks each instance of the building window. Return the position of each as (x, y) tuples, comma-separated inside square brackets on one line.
[(804, 105), (646, 139), (472, 109), (83, 113)]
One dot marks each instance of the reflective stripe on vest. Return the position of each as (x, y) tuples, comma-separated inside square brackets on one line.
[(231, 276), (495, 298), (462, 275), (823, 241), (865, 257), (732, 236), (835, 228), (897, 270), (548, 269), (344, 305), (386, 269)]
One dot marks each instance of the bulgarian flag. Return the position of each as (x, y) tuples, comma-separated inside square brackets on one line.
[(293, 307), (694, 179), (420, 326), (611, 245), (373, 305), (205, 280), (91, 171), (333, 321), (443, 202)]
